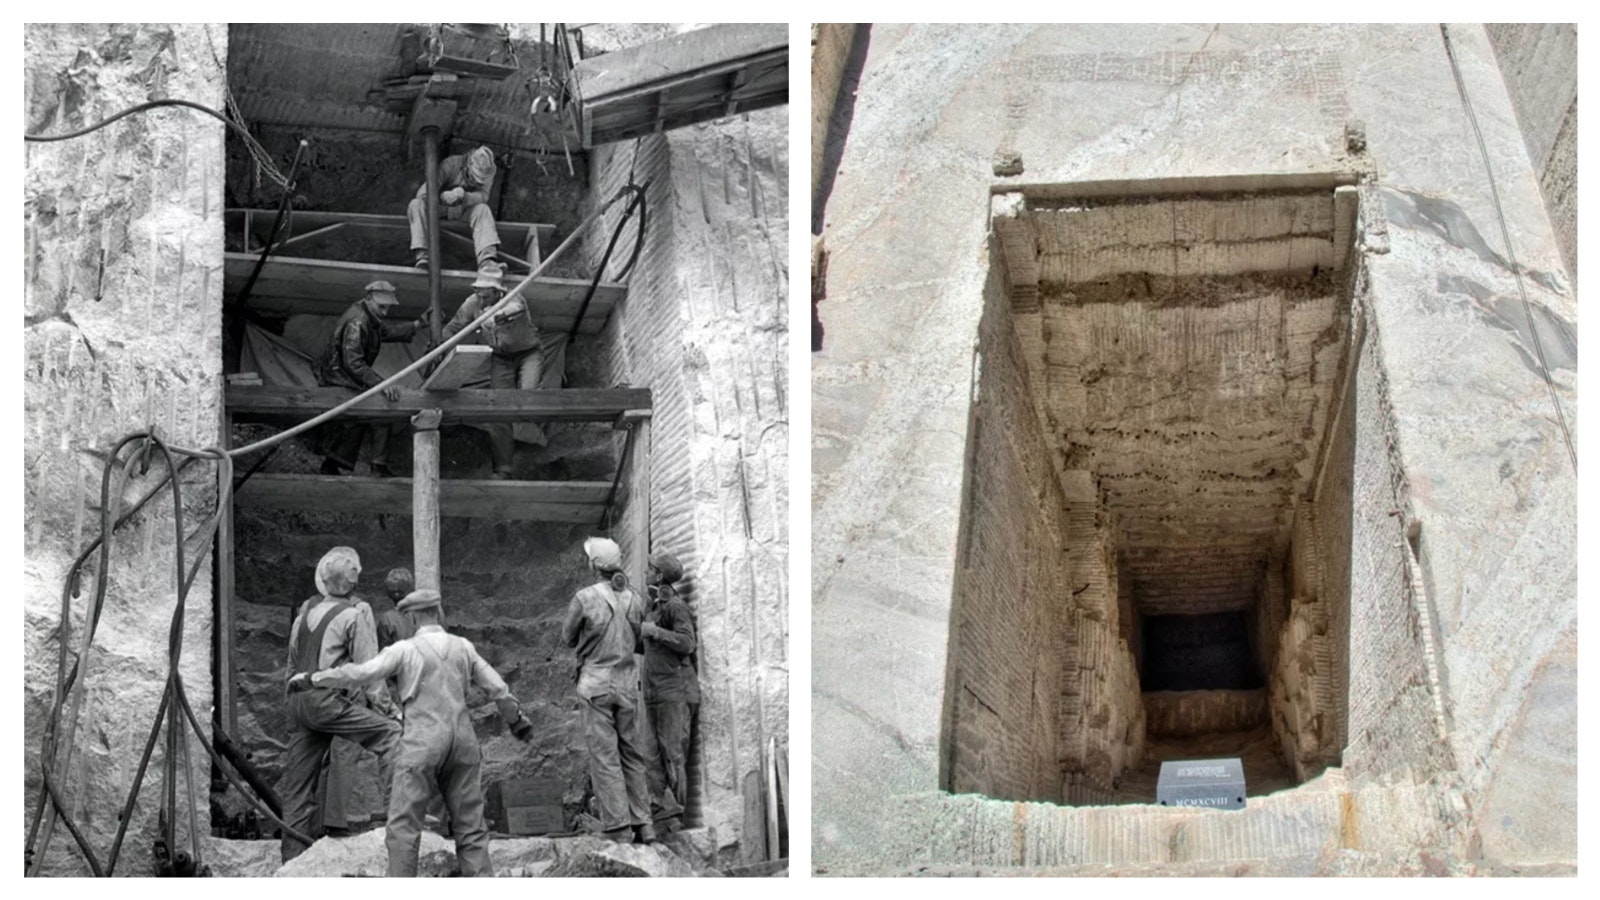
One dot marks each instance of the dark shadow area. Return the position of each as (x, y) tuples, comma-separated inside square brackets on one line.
[(844, 108), (1199, 653)]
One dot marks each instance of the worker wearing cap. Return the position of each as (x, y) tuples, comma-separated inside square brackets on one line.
[(603, 623), (330, 630), (347, 362), (671, 687), (464, 183), (516, 361), (439, 748)]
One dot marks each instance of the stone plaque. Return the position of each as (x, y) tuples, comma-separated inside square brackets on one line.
[(1210, 783)]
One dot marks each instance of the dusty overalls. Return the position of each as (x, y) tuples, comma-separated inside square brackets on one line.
[(320, 714), (602, 624), (439, 747)]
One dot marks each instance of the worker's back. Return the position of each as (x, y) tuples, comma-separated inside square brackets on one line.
[(438, 703)]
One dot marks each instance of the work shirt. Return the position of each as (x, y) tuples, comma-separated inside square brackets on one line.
[(357, 337), (453, 174), (669, 653), (511, 336), (350, 637), (405, 661), (603, 624)]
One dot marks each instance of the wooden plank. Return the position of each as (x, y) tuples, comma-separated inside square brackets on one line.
[(249, 403), (513, 233), (464, 363), (328, 287), (535, 501), (636, 538), (753, 836), (676, 59), (770, 765), (691, 78)]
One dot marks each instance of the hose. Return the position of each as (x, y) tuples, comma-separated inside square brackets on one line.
[(50, 805), (594, 283)]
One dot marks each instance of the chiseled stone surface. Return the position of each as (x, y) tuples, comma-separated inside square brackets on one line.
[(122, 289), (1465, 415)]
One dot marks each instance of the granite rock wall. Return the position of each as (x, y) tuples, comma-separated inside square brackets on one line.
[(122, 291)]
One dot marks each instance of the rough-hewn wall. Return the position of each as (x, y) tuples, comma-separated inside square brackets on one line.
[(705, 328), (122, 290), (1540, 66), (1392, 706), (1474, 422), (1010, 613)]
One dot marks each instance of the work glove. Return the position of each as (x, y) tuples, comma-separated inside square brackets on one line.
[(300, 681), (452, 196), (391, 393), (522, 729), (650, 630)]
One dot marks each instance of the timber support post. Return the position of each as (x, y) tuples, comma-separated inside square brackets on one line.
[(425, 499)]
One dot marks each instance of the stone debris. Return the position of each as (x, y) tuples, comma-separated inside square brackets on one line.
[(364, 856), (1007, 163)]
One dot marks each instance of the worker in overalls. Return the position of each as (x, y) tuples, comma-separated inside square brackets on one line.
[(439, 749), (671, 686), (329, 631), (603, 624), (517, 361), (464, 184)]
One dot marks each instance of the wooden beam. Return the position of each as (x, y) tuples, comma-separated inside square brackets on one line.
[(289, 404), (682, 80), (512, 233), (327, 287), (425, 499), (534, 501), (716, 50), (636, 538), (464, 363)]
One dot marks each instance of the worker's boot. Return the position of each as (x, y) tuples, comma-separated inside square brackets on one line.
[(644, 834), (619, 835), (422, 259), (330, 466), (488, 254)]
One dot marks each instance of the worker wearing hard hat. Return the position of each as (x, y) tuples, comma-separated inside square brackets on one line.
[(439, 748), (464, 184), (330, 630), (671, 687), (517, 361), (603, 623), (347, 362)]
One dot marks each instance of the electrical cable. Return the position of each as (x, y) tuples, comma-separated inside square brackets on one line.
[(638, 195), (110, 521), (1511, 255)]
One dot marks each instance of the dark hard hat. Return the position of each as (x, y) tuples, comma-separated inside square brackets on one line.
[(671, 570)]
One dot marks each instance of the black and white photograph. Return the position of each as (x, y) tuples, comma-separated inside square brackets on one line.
[(406, 450)]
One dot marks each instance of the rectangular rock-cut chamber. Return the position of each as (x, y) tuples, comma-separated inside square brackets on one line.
[(1155, 538)]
